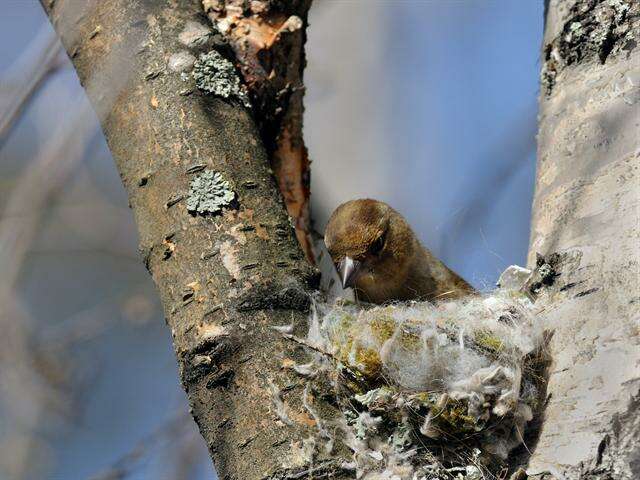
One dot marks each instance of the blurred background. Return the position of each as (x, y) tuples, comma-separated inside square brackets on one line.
[(428, 105)]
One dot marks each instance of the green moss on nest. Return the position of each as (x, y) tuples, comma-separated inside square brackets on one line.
[(382, 327), (367, 360), (488, 340), (454, 418), (409, 341), (424, 398)]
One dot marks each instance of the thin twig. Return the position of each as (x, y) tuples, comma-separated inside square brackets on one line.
[(24, 78)]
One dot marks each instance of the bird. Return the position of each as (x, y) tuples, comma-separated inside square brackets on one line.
[(376, 253)]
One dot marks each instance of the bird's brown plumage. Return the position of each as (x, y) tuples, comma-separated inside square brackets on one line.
[(386, 260)]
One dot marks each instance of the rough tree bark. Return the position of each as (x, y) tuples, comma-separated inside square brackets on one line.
[(224, 280), (269, 42), (585, 218)]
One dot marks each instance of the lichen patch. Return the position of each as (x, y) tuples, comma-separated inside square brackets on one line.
[(217, 76), (209, 193)]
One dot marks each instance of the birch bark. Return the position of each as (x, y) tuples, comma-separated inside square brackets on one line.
[(586, 211)]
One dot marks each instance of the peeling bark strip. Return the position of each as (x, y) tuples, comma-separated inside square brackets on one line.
[(224, 279), (586, 209), (267, 37)]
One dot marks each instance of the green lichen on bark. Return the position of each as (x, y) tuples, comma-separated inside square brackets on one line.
[(216, 75), (209, 193)]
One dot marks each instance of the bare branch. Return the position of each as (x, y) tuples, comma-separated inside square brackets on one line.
[(228, 271)]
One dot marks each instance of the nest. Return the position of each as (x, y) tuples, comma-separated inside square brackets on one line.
[(433, 391)]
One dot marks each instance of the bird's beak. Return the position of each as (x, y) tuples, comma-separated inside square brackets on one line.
[(348, 271)]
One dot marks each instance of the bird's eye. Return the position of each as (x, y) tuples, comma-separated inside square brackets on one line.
[(378, 245)]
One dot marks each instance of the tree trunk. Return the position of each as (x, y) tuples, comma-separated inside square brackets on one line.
[(585, 220), (225, 280)]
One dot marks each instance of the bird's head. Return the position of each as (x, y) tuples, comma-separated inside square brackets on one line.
[(371, 245)]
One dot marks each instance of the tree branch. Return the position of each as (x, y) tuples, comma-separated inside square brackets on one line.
[(224, 280)]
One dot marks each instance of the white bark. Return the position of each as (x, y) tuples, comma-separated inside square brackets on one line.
[(586, 209)]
